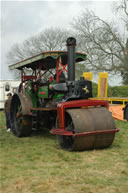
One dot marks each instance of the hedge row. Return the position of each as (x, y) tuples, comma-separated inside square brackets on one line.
[(113, 91), (118, 91)]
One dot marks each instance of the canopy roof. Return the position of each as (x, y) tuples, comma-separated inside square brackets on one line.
[(46, 60)]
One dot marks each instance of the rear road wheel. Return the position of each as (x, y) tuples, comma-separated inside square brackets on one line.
[(20, 122)]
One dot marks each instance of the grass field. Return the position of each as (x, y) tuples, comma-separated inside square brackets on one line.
[(36, 164)]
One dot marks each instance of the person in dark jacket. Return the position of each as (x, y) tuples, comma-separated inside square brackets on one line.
[(7, 111)]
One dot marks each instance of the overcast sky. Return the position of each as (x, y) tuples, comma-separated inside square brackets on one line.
[(21, 19)]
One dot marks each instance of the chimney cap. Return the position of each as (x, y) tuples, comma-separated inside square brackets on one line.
[(71, 41)]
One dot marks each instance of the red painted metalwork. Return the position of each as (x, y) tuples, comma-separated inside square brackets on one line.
[(75, 104), (36, 75), (61, 107), (70, 133), (17, 114), (50, 79), (35, 87), (43, 92), (58, 72), (29, 77)]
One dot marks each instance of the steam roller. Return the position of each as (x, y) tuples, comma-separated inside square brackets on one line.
[(51, 97), (83, 124)]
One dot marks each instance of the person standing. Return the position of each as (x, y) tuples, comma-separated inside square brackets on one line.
[(7, 111)]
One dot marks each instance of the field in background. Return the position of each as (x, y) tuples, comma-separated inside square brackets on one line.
[(36, 164)]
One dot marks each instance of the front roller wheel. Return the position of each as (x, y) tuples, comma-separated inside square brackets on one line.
[(20, 121), (87, 120), (66, 142)]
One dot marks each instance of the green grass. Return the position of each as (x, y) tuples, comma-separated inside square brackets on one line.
[(36, 164)]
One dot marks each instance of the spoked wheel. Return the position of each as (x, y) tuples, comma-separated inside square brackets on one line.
[(20, 122), (87, 120)]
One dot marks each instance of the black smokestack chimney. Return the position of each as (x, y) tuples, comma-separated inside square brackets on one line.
[(71, 43)]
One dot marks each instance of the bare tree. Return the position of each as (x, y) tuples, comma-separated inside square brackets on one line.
[(53, 39), (104, 43), (48, 40), (122, 8)]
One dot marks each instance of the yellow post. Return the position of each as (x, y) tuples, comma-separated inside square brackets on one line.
[(87, 75), (102, 84)]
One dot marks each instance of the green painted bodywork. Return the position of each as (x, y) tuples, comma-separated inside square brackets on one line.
[(29, 90), (43, 92), (58, 96)]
